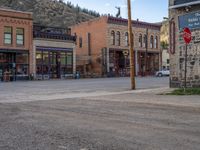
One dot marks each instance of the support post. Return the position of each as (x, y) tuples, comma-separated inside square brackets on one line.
[(132, 55)]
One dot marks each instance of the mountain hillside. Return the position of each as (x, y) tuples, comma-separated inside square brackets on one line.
[(51, 12)]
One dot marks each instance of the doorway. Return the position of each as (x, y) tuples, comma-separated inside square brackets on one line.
[(8, 66)]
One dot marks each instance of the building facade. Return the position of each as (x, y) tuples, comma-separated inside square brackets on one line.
[(184, 13), (103, 47), (165, 59), (16, 45), (54, 53)]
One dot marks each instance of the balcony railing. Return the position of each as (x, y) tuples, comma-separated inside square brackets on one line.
[(56, 36)]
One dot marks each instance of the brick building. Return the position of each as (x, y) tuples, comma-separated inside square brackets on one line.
[(184, 13), (16, 45), (102, 47), (54, 53)]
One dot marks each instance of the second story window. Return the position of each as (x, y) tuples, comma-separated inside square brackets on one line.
[(151, 42), (20, 36), (118, 38), (145, 41), (126, 39), (156, 42), (80, 42), (140, 40), (113, 37), (7, 35)]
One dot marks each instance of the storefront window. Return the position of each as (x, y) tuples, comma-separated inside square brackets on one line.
[(39, 57), (22, 58), (69, 58), (2, 58), (22, 69), (53, 58), (20, 36), (7, 35), (63, 58), (45, 57)]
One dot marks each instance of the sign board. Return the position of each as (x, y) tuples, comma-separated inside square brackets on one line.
[(187, 35), (191, 21)]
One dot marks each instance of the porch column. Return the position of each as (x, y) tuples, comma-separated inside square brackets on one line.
[(33, 55), (136, 63), (74, 60), (108, 59)]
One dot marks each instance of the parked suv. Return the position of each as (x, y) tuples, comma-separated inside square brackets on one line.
[(162, 73)]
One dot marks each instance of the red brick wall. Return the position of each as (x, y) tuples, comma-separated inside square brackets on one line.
[(97, 28), (15, 20)]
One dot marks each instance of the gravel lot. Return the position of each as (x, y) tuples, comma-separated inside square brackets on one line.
[(140, 120)]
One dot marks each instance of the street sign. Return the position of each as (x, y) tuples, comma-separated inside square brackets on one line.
[(187, 35)]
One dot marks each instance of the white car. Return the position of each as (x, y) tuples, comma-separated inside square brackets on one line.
[(162, 73)]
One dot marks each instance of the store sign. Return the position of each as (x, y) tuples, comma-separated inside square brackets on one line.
[(191, 21)]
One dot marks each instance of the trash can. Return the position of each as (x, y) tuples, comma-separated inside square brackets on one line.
[(77, 75)]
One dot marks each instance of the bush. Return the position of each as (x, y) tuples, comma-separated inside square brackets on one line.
[(187, 91)]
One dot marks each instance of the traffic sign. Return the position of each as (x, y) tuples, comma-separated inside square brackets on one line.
[(187, 35)]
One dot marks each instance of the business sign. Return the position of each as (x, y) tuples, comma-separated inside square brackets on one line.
[(191, 21)]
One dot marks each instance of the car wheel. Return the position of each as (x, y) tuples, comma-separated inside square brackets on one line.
[(160, 75)]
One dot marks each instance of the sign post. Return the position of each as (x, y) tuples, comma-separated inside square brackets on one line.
[(187, 36)]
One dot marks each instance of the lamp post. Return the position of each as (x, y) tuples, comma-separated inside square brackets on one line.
[(132, 55)]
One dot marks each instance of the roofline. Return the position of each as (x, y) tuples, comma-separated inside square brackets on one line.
[(184, 5), (136, 21), (12, 10)]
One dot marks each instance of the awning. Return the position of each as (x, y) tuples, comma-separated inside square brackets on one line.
[(4, 50), (53, 48), (185, 4)]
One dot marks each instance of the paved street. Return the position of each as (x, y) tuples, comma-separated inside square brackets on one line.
[(110, 118)]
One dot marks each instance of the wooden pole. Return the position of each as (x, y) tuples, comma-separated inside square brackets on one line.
[(131, 50)]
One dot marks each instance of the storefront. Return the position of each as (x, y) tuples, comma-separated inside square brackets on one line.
[(14, 65), (148, 63), (52, 63), (119, 63)]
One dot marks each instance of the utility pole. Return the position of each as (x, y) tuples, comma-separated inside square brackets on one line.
[(132, 55)]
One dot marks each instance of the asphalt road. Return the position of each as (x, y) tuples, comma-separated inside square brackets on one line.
[(140, 120)]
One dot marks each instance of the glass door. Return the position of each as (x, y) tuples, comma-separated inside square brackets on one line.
[(55, 65)]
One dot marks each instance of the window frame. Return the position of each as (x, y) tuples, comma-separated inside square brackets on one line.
[(126, 39), (23, 36), (80, 42), (118, 38), (11, 38), (151, 42), (113, 37), (140, 40)]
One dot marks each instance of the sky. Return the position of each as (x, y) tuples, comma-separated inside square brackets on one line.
[(144, 10)]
